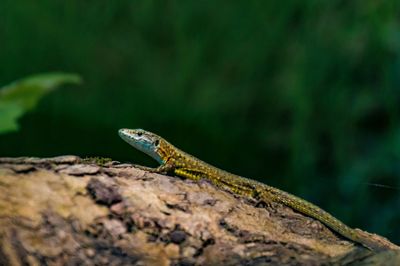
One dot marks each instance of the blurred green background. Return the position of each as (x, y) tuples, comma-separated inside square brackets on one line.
[(302, 95)]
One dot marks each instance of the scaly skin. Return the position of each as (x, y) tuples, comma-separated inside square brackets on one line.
[(174, 161)]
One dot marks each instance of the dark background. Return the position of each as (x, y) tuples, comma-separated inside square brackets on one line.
[(302, 95)]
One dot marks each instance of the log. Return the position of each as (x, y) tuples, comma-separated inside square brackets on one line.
[(71, 211)]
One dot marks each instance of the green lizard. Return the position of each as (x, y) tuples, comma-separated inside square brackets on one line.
[(174, 161)]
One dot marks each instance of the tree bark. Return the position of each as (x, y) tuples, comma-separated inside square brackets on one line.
[(65, 210)]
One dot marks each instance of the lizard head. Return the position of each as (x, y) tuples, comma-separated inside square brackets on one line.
[(145, 141)]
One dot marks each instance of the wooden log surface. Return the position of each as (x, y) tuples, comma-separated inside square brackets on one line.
[(69, 211)]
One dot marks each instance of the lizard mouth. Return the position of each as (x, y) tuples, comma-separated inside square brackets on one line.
[(124, 134)]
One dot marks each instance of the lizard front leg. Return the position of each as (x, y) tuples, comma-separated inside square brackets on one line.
[(165, 168)]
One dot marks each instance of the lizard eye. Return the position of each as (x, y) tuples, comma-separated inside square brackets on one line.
[(140, 134), (157, 142)]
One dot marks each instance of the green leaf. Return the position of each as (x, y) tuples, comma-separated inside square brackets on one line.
[(21, 96), (9, 114)]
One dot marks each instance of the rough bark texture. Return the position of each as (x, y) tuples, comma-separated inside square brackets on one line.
[(65, 210)]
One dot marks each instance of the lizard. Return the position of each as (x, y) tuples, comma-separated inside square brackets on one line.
[(175, 161)]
